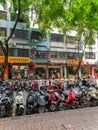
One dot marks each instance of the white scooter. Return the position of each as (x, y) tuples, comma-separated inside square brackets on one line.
[(19, 103)]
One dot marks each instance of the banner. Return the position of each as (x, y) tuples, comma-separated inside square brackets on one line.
[(18, 60), (1, 59), (15, 59), (74, 62)]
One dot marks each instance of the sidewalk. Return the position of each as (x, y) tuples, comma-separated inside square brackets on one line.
[(78, 119)]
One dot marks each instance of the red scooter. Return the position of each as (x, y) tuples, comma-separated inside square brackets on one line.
[(55, 101), (70, 102)]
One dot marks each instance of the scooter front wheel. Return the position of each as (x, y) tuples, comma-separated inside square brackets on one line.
[(61, 106), (52, 107), (29, 111), (41, 109), (85, 103), (73, 105), (93, 103), (21, 111)]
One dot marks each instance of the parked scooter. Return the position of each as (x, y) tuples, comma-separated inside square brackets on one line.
[(54, 100), (35, 103), (19, 103), (85, 99), (5, 106), (93, 97), (70, 101)]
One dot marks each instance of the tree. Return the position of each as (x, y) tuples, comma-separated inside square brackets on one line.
[(20, 10), (66, 15)]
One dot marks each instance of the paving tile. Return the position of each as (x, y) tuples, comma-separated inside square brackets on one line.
[(79, 119)]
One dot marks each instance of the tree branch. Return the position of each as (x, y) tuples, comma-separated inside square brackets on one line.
[(18, 15)]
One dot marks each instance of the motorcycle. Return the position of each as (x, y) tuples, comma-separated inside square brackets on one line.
[(35, 103), (93, 97), (70, 101), (85, 100), (5, 106), (19, 103), (54, 101)]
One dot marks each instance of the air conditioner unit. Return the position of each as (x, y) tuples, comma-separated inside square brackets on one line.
[(12, 44), (13, 35)]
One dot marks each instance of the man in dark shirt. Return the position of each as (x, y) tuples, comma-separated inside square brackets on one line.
[(84, 82)]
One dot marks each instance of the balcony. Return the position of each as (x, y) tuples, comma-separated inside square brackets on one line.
[(57, 44), (19, 25), (40, 60), (58, 61), (3, 23)]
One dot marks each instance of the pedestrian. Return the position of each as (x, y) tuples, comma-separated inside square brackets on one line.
[(58, 76), (19, 76), (9, 86), (35, 85), (84, 81)]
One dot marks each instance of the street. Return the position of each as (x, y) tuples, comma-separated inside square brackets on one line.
[(78, 119)]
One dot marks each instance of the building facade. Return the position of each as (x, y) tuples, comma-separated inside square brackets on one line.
[(60, 54), (39, 52), (50, 52), (18, 45)]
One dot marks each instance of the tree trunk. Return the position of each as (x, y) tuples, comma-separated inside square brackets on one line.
[(4, 48), (76, 72)]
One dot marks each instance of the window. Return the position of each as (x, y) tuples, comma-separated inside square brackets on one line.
[(71, 55), (13, 52), (16, 52), (3, 15), (20, 34), (39, 54), (89, 55), (57, 37), (35, 35), (13, 18), (54, 55), (3, 32), (72, 39), (23, 53), (62, 55), (33, 54)]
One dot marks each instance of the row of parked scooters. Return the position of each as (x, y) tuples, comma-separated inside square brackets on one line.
[(47, 98)]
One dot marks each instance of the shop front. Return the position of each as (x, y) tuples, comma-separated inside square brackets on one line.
[(16, 66), (46, 71), (19, 67), (53, 70), (86, 70), (71, 67), (40, 71)]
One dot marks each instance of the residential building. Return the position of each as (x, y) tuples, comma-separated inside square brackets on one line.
[(57, 62), (51, 52), (39, 51), (18, 44)]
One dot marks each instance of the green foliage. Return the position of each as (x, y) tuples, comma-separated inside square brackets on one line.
[(3, 15), (3, 40), (79, 15)]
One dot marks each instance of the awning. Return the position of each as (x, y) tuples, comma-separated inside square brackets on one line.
[(86, 63), (41, 66), (74, 62), (54, 66)]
